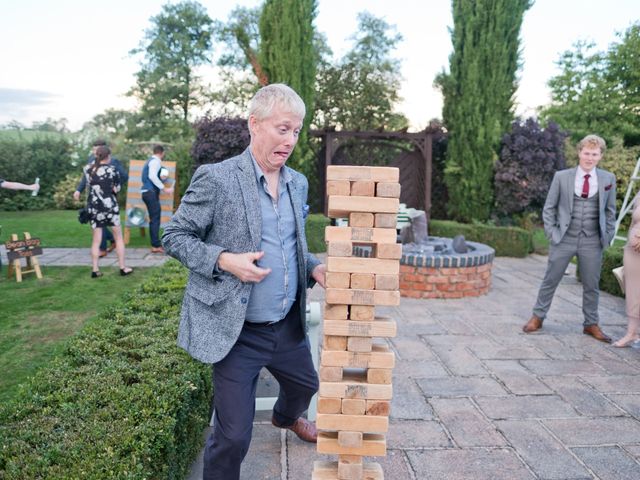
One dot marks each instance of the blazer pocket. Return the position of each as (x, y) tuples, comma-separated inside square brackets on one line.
[(210, 292), (608, 187)]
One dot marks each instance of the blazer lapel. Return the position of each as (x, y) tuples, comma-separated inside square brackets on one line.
[(601, 194), (249, 189), (570, 183)]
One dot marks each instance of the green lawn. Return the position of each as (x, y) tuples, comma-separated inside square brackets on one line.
[(57, 228), (39, 315)]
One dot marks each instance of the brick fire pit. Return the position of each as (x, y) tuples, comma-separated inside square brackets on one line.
[(450, 275)]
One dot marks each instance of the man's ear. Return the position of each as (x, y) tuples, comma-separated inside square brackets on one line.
[(253, 122)]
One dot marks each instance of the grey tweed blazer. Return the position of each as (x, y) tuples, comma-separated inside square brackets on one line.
[(219, 212), (558, 206)]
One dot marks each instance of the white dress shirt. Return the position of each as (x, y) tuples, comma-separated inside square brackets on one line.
[(579, 182)]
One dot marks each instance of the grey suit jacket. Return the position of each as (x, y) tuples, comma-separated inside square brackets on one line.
[(219, 212), (558, 207)]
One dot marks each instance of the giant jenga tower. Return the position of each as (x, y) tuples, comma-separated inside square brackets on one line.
[(362, 272)]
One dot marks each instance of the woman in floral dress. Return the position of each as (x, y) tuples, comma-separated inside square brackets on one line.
[(102, 205)]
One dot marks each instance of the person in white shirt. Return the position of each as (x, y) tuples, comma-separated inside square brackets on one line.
[(151, 187)]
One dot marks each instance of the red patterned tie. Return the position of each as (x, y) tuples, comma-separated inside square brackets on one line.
[(585, 186)]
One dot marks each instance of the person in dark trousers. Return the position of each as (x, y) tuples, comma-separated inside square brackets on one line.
[(240, 232), (579, 217), (107, 236), (151, 188)]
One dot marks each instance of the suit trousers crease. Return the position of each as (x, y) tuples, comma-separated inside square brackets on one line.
[(283, 349), (588, 250)]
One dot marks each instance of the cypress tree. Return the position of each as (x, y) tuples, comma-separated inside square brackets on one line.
[(478, 98), (288, 55)]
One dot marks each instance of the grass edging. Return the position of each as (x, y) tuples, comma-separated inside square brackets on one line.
[(120, 401)]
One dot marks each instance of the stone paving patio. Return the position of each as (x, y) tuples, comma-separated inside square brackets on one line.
[(475, 398)]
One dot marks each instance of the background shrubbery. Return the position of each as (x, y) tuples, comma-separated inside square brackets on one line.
[(218, 139), (121, 401)]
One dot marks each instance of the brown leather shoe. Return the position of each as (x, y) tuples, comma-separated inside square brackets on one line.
[(596, 332), (157, 250), (303, 428), (103, 253), (534, 323)]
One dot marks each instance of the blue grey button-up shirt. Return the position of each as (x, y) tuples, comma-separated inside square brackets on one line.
[(272, 298)]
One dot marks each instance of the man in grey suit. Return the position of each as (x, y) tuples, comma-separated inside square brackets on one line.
[(240, 232), (579, 220)]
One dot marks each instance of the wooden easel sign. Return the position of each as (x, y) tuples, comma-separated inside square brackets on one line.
[(19, 249)]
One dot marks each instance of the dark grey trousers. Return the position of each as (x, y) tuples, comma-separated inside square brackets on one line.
[(589, 253)]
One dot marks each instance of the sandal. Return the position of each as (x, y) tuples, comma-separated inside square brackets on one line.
[(97, 274), (126, 271)]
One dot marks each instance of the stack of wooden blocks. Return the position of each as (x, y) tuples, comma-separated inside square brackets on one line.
[(362, 272)]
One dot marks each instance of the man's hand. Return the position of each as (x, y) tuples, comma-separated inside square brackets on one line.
[(242, 265), (318, 274), (168, 190), (76, 195)]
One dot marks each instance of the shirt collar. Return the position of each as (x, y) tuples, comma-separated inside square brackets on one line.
[(285, 176), (581, 173)]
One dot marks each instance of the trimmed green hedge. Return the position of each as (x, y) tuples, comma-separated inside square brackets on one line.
[(314, 228), (122, 401), (612, 258), (507, 241)]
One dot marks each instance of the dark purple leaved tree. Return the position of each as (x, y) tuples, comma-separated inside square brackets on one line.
[(529, 157), (218, 139)]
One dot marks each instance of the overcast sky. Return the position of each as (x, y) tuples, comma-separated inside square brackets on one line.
[(70, 58)]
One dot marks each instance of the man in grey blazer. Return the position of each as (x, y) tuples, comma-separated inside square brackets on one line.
[(579, 220), (240, 232)]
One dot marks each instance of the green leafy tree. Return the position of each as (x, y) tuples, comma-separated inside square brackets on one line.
[(478, 98), (177, 43), (287, 55), (360, 91), (599, 92)]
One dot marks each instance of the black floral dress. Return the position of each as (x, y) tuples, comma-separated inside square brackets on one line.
[(102, 203)]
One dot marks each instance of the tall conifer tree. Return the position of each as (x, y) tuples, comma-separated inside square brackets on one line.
[(478, 98), (288, 55)]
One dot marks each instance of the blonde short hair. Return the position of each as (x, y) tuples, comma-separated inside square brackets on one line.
[(276, 95), (592, 141)]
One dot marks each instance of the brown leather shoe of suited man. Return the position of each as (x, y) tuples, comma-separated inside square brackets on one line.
[(534, 323), (596, 332), (303, 428)]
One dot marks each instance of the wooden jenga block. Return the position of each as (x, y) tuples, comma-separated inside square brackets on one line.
[(345, 440), (331, 342), (363, 188), (358, 234), (339, 187), (359, 344), (327, 470), (362, 312), (329, 405), (362, 281), (355, 386), (353, 406), (358, 423), (353, 443), (363, 265), (387, 189), (385, 220), (386, 282), (350, 467), (379, 407), (335, 312), (339, 249), (388, 250), (362, 297), (376, 174), (379, 357), (354, 328), (377, 375), (338, 280), (332, 374), (342, 206), (360, 219)]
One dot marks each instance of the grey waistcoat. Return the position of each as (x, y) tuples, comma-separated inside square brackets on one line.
[(584, 217)]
